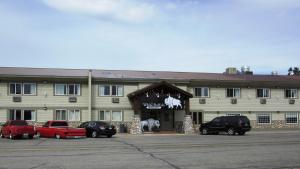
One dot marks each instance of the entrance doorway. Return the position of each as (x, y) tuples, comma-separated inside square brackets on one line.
[(165, 117)]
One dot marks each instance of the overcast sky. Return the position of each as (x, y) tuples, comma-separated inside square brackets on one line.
[(169, 35)]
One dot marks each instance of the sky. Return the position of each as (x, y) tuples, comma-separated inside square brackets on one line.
[(164, 35)]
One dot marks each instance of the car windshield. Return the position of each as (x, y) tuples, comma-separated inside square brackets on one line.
[(59, 124), (18, 123)]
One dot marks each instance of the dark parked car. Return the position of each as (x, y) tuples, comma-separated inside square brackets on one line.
[(17, 128), (229, 124), (97, 128)]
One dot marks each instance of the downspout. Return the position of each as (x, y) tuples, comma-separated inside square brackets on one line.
[(90, 94)]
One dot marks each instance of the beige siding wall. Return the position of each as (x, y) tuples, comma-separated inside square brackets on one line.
[(3, 115), (105, 102), (248, 101), (45, 97)]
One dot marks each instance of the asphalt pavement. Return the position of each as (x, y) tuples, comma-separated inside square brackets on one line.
[(274, 149)]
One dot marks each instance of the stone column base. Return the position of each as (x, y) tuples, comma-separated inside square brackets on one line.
[(188, 125), (136, 125)]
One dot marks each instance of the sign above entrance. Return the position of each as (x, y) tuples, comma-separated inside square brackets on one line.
[(162, 102)]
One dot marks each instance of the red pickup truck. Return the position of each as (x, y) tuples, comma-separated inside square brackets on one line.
[(17, 128), (59, 129)]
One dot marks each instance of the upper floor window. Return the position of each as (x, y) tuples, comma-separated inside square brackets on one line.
[(233, 92), (263, 93), (201, 91), (22, 88), (291, 93), (67, 89), (111, 90)]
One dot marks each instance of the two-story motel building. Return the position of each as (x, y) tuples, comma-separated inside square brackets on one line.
[(179, 100)]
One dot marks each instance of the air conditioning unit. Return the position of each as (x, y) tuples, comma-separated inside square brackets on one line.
[(263, 101), (72, 99), (233, 101), (17, 99), (115, 100), (292, 101), (202, 101)]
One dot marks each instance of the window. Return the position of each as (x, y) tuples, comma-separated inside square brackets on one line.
[(67, 89), (233, 114), (104, 115), (116, 116), (74, 115), (111, 90), (29, 88), (29, 115), (110, 115), (15, 88), (74, 89), (263, 93), (291, 118), (197, 117), (60, 115), (291, 93), (263, 118), (201, 91), (233, 92)]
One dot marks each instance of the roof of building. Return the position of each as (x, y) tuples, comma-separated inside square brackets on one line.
[(147, 75)]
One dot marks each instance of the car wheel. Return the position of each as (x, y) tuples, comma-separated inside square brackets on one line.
[(204, 131), (241, 133), (94, 134), (231, 131), (30, 136), (109, 136), (57, 136)]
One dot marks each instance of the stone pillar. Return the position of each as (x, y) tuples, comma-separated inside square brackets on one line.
[(136, 125), (188, 125)]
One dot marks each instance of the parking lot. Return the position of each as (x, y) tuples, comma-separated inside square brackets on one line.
[(257, 149)]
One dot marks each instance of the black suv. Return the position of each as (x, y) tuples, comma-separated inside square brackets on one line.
[(229, 124)]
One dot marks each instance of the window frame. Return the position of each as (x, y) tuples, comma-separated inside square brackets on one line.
[(35, 91), (297, 116), (110, 115), (55, 115), (15, 89), (117, 111), (111, 90), (264, 114), (67, 86), (296, 97), (263, 92), (74, 110), (201, 88), (233, 93), (22, 114)]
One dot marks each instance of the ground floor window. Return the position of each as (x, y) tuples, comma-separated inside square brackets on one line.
[(197, 117), (18, 114), (74, 115), (110, 115), (291, 118), (70, 115), (263, 118)]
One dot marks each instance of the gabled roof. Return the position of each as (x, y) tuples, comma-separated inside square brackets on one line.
[(158, 85)]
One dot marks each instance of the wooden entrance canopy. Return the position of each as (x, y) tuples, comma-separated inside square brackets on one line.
[(161, 95)]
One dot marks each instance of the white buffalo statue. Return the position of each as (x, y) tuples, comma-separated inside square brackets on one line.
[(171, 102), (150, 123)]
